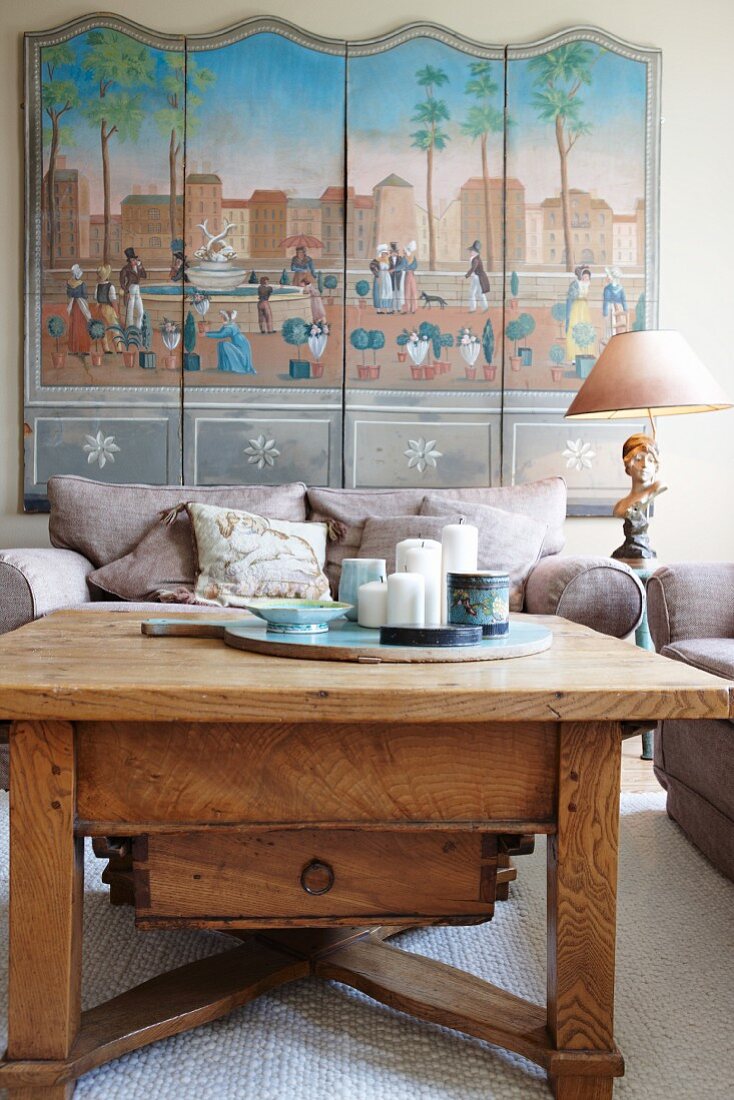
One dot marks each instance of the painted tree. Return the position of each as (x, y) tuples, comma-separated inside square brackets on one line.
[(559, 76), (59, 95), (488, 341), (429, 114), (118, 65), (483, 118), (182, 88)]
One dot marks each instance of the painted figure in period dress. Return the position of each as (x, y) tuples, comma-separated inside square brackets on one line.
[(78, 311), (302, 267), (385, 293), (614, 303), (105, 296), (411, 285), (234, 353), (479, 284), (318, 313), (577, 312), (130, 278), (398, 268)]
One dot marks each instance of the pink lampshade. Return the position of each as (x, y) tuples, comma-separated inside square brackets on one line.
[(654, 373)]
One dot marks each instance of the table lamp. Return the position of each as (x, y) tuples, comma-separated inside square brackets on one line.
[(653, 373)]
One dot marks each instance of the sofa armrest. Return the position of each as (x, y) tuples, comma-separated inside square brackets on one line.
[(598, 592), (691, 600), (36, 582)]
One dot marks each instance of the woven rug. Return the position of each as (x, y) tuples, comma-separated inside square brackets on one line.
[(313, 1040)]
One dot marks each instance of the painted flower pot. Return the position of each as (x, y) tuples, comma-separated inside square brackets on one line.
[(557, 374), (490, 373), (374, 372), (58, 358), (128, 358), (526, 354), (192, 360), (584, 363), (515, 362), (402, 356), (416, 373), (471, 373), (202, 326), (299, 368), (95, 358), (363, 373), (317, 370), (170, 362), (429, 371), (147, 359)]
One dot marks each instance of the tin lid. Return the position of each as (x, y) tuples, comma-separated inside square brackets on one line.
[(481, 578)]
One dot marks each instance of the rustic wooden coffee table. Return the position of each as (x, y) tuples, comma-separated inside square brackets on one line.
[(312, 811)]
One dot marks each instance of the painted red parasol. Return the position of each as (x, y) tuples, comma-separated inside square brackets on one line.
[(301, 240)]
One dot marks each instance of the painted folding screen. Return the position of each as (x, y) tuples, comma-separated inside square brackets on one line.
[(261, 255)]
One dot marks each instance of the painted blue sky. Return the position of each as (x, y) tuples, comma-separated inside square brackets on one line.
[(383, 95), (265, 88), (274, 117)]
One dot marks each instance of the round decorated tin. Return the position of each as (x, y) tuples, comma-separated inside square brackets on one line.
[(479, 599)]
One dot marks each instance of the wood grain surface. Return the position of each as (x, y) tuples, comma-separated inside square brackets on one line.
[(143, 774), (84, 666)]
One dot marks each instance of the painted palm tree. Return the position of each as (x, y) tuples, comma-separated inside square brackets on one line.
[(482, 119), (59, 96), (559, 76), (429, 114), (181, 85), (118, 64)]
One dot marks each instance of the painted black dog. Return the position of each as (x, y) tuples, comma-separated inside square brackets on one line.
[(431, 298)]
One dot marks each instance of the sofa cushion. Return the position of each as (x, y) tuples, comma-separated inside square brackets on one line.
[(714, 655), (508, 541), (241, 556), (542, 500), (699, 754), (105, 522)]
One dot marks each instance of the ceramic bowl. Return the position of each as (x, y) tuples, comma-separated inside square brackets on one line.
[(297, 616)]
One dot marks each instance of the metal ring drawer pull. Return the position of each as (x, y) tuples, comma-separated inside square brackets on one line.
[(317, 877)]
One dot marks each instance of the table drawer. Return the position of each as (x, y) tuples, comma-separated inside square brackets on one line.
[(235, 879)]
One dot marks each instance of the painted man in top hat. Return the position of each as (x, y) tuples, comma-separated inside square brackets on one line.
[(479, 285), (130, 277)]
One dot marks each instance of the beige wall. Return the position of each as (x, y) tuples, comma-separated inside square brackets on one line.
[(697, 239)]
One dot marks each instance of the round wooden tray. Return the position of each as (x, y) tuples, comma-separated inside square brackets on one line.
[(345, 641)]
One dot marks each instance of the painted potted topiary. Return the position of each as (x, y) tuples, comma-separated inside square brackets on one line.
[(469, 348), (377, 343), (146, 357), (362, 289), (253, 279), (557, 355), (295, 331), (171, 335), (331, 283), (318, 336), (95, 329), (360, 341), (639, 323), (558, 313), (200, 302), (416, 345), (129, 336), (447, 341), (56, 327), (490, 371), (528, 327), (432, 335), (191, 359), (584, 336), (514, 332), (401, 340), (514, 289)]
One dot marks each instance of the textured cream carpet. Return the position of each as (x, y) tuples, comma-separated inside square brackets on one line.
[(318, 1041)]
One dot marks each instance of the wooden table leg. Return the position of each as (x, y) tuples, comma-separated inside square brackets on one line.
[(582, 885), (46, 897)]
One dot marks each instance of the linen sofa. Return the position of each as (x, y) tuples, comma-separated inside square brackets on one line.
[(691, 618), (92, 525)]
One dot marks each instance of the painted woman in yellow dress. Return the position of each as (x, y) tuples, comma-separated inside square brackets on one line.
[(577, 311)]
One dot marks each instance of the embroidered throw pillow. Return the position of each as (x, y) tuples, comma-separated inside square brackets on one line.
[(241, 555)]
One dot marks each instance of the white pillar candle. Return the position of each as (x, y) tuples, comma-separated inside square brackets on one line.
[(403, 547), (426, 560), (406, 599), (459, 552), (372, 604)]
